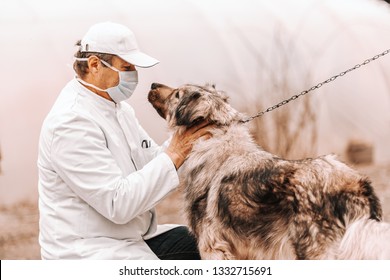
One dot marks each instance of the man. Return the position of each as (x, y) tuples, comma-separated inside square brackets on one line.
[(100, 174)]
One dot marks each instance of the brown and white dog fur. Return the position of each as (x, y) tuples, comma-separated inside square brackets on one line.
[(242, 202)]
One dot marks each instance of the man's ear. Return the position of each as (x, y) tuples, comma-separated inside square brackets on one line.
[(94, 64)]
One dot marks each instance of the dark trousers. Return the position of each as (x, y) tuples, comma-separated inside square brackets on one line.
[(175, 244)]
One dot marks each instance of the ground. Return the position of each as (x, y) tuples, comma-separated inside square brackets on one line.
[(19, 222)]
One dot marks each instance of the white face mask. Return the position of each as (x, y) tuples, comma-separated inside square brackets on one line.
[(128, 81)]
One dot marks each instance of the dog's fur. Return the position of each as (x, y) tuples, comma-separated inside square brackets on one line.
[(245, 203)]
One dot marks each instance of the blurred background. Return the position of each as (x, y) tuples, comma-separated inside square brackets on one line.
[(259, 52)]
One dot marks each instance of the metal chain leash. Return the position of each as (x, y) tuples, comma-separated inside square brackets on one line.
[(284, 102)]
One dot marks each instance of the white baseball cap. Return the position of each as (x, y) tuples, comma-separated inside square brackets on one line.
[(117, 39)]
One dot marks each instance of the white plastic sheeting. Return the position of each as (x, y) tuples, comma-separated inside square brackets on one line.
[(246, 48)]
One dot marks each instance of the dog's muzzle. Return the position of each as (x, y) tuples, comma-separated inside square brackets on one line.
[(157, 97)]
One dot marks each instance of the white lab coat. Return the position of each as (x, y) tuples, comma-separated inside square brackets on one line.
[(100, 176)]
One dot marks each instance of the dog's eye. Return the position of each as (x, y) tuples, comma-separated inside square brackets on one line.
[(177, 95)]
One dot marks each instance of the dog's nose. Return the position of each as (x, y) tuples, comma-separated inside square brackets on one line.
[(155, 86)]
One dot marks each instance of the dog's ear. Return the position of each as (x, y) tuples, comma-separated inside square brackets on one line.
[(188, 112), (221, 113), (224, 96), (197, 106)]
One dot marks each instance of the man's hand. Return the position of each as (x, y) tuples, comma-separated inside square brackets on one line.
[(181, 144)]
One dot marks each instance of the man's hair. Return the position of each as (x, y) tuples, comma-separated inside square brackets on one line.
[(81, 67)]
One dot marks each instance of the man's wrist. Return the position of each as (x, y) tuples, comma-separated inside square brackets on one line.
[(176, 160)]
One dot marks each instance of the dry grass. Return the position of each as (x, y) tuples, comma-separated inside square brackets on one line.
[(19, 231)]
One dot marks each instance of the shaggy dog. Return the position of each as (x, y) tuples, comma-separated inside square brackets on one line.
[(242, 202)]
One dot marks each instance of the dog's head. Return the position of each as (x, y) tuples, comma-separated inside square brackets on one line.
[(191, 104)]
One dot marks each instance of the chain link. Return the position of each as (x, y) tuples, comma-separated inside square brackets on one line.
[(331, 79)]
